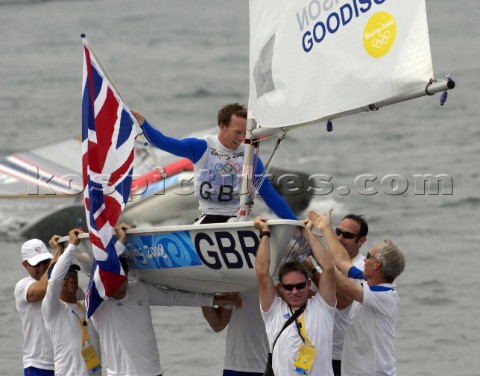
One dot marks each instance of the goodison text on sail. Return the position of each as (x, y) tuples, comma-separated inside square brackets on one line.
[(332, 23)]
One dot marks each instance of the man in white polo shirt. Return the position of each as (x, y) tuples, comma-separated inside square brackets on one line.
[(75, 341), (352, 233), (299, 328), (29, 293), (368, 347)]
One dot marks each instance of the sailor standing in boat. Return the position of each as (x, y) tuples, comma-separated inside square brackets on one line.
[(29, 293), (218, 163)]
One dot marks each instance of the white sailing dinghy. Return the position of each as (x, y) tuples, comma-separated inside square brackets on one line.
[(310, 62)]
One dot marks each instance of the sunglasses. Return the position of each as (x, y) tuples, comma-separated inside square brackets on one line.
[(44, 262), (71, 274), (345, 234), (369, 256), (298, 286)]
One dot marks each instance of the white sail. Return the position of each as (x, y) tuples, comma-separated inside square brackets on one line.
[(312, 60)]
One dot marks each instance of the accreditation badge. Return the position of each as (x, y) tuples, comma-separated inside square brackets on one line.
[(304, 362), (91, 359)]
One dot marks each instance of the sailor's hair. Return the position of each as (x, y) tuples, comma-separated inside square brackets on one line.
[(362, 222), (392, 259), (226, 112), (292, 267)]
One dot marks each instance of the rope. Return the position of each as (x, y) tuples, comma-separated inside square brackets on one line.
[(266, 168)]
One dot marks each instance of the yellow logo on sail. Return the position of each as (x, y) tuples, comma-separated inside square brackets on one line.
[(379, 34)]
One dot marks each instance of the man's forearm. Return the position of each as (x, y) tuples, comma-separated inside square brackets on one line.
[(340, 256), (216, 317), (266, 289), (319, 252)]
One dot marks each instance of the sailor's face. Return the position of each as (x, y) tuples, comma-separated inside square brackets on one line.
[(298, 295), (233, 135), (371, 263), (38, 270), (351, 245), (70, 282)]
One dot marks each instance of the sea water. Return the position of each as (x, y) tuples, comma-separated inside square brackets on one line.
[(179, 61)]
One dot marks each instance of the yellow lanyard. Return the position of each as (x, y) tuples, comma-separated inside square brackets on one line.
[(301, 328), (303, 331), (83, 324)]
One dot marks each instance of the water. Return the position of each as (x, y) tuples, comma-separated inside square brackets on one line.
[(178, 62)]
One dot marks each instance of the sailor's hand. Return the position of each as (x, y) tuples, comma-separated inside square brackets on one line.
[(56, 246), (120, 230), (308, 224), (227, 299), (138, 116), (319, 220), (260, 224), (73, 236)]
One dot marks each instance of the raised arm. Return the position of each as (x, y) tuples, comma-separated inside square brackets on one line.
[(345, 286), (348, 288), (36, 291), (340, 255), (271, 197), (326, 279), (51, 302), (191, 148), (266, 288)]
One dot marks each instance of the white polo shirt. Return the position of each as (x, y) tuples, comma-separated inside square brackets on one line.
[(126, 330), (341, 315), (246, 347), (368, 348), (318, 322), (37, 346)]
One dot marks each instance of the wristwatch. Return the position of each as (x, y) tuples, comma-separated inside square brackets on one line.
[(264, 233)]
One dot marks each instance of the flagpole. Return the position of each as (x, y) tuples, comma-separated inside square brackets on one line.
[(102, 67)]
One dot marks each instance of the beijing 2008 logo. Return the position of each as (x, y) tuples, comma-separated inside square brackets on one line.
[(379, 34)]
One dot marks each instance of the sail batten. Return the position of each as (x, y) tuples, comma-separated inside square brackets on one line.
[(314, 61)]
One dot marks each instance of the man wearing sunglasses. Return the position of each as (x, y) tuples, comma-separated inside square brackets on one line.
[(29, 293), (352, 233), (75, 341), (309, 337), (368, 345)]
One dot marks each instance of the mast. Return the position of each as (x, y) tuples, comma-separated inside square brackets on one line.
[(246, 187)]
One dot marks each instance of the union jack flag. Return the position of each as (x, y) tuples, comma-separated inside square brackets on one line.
[(108, 135)]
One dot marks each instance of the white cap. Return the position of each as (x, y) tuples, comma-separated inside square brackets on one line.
[(35, 251)]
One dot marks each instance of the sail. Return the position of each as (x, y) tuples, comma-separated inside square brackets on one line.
[(312, 60)]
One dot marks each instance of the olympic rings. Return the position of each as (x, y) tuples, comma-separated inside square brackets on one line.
[(228, 168), (381, 40)]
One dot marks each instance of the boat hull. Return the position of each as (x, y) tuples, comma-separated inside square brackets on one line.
[(212, 258)]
